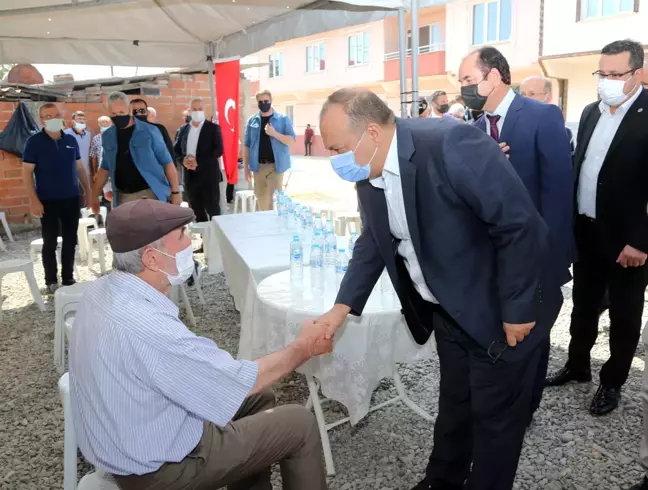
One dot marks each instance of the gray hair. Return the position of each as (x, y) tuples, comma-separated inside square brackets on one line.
[(548, 87), (362, 106), (151, 110), (131, 262), (103, 118), (116, 97), (633, 48), (195, 99)]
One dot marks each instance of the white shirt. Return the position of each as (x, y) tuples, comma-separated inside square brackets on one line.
[(599, 144), (192, 139), (390, 181), (501, 111)]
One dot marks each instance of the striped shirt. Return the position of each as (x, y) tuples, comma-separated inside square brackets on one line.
[(141, 383)]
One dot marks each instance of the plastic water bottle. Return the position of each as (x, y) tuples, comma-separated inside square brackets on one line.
[(317, 224), (281, 202), (296, 259), (275, 201), (316, 263), (341, 264), (352, 241), (328, 227), (330, 248)]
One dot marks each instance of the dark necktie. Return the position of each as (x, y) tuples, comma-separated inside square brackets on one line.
[(494, 131)]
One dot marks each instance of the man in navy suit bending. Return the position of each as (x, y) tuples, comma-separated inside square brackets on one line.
[(534, 137), (464, 246)]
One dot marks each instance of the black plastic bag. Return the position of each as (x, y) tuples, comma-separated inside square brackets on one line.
[(20, 127)]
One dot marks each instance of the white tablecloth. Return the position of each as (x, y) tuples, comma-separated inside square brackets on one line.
[(366, 348)]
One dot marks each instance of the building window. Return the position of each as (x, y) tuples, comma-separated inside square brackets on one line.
[(290, 112), (429, 39), (276, 65), (492, 21), (315, 58), (359, 49), (601, 8)]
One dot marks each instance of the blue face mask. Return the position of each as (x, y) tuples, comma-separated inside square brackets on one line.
[(347, 168)]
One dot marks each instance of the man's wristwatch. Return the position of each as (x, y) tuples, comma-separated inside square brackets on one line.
[(175, 192)]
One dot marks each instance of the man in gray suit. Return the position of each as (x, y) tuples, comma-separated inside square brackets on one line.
[(464, 246)]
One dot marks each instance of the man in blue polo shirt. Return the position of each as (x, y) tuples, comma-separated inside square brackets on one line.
[(266, 153), (52, 170), (135, 159)]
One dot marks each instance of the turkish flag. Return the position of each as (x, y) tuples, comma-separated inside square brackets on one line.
[(227, 75)]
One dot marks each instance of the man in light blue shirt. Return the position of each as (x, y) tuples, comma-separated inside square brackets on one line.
[(83, 138), (266, 152), (159, 407)]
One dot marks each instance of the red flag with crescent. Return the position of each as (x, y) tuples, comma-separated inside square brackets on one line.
[(227, 75)]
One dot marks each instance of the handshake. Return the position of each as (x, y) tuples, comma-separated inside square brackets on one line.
[(316, 336)]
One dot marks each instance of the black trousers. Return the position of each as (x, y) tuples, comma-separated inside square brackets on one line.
[(204, 199), (483, 413), (60, 218), (308, 146), (229, 193), (595, 272)]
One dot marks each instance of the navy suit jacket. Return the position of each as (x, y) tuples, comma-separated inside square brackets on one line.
[(541, 155), (477, 235)]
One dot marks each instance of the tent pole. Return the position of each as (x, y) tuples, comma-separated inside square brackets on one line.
[(212, 83), (402, 60), (415, 53)]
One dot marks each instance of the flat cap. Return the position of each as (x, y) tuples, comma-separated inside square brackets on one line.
[(136, 224)]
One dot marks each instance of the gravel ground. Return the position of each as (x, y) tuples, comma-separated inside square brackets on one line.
[(566, 449)]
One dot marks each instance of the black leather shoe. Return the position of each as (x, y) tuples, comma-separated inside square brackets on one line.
[(605, 400), (640, 486), (566, 374)]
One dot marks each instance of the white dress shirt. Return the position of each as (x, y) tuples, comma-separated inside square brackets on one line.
[(501, 111), (192, 138), (390, 181), (597, 150)]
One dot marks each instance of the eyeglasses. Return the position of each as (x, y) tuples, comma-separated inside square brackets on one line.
[(613, 76), (264, 101), (141, 111), (496, 349)]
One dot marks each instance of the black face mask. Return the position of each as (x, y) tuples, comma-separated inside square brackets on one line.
[(444, 108), (470, 95), (476, 114), (187, 119), (142, 117), (264, 106), (121, 121)]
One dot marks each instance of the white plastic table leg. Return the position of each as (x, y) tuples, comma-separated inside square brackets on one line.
[(33, 286), (185, 300), (90, 252), (102, 253), (321, 424), (0, 299), (5, 224), (2, 245), (59, 338)]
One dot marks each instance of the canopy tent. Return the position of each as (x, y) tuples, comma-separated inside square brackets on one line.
[(167, 32)]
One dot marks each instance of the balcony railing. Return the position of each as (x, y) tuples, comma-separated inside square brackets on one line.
[(430, 48)]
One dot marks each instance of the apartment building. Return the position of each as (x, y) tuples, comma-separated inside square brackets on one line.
[(560, 39), (573, 35)]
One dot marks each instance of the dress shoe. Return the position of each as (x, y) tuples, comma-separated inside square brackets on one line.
[(605, 400), (640, 486), (566, 374)]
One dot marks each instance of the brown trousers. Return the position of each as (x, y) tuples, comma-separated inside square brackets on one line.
[(123, 198), (240, 454), (266, 181)]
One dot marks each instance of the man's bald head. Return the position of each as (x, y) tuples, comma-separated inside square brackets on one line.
[(536, 87), (358, 120)]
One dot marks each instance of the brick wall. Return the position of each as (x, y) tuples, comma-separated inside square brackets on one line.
[(176, 90)]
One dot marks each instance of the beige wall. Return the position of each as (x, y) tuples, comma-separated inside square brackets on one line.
[(520, 51), (337, 73), (564, 35)]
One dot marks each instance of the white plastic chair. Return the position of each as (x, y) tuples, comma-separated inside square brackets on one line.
[(26, 267), (103, 211), (202, 229), (66, 300), (100, 236), (92, 481), (82, 235), (5, 225), (37, 245), (242, 199), (182, 290)]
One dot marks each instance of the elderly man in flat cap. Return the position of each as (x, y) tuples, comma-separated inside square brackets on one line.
[(159, 407)]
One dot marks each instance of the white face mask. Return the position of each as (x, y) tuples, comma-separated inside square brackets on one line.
[(103, 128), (611, 91), (54, 125), (198, 116), (79, 126), (184, 264)]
